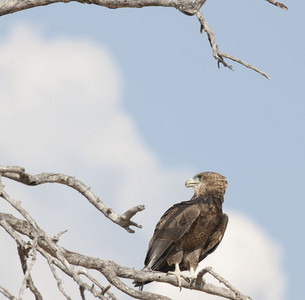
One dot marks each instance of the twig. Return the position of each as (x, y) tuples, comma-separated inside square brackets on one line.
[(53, 262), (218, 55), (104, 290), (19, 174), (27, 275), (36, 232), (6, 293), (56, 237), (199, 279), (23, 255), (21, 244), (58, 280)]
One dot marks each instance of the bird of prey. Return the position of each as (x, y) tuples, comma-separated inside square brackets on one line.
[(189, 231)]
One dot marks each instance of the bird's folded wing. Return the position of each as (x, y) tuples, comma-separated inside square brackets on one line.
[(175, 222)]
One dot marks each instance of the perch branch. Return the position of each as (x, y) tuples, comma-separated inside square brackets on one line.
[(110, 269), (19, 174)]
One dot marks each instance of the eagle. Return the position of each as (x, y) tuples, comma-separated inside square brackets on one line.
[(190, 230)]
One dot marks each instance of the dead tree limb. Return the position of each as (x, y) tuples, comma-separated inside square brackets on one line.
[(19, 174), (188, 7)]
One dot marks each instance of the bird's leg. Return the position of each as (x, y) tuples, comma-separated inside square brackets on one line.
[(177, 273)]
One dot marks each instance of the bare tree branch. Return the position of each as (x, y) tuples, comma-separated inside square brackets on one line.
[(51, 256), (220, 279), (19, 174), (29, 265), (185, 6), (218, 55), (54, 262), (58, 280), (95, 282), (23, 255), (110, 269)]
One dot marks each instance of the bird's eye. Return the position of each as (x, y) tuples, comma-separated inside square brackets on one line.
[(199, 177)]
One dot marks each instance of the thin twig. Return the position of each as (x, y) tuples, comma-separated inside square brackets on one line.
[(23, 255), (199, 279), (29, 265), (38, 232), (55, 262), (56, 237), (58, 280), (104, 290), (6, 293)]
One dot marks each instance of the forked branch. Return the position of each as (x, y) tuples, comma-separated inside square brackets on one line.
[(218, 55), (19, 174)]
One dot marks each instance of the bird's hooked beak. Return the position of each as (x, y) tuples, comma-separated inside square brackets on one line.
[(192, 182)]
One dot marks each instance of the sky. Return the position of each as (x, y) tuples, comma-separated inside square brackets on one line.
[(131, 102)]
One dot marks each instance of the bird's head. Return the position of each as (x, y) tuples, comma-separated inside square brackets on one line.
[(208, 182)]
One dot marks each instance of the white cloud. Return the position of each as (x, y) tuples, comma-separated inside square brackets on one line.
[(51, 96), (61, 111)]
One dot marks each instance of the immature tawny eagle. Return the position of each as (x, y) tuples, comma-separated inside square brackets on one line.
[(191, 230)]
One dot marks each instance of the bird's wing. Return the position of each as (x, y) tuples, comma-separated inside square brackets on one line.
[(175, 222), (215, 237)]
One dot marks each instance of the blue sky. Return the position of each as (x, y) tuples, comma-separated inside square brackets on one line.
[(181, 113)]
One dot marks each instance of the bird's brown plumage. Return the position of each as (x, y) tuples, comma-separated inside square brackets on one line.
[(189, 231)]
